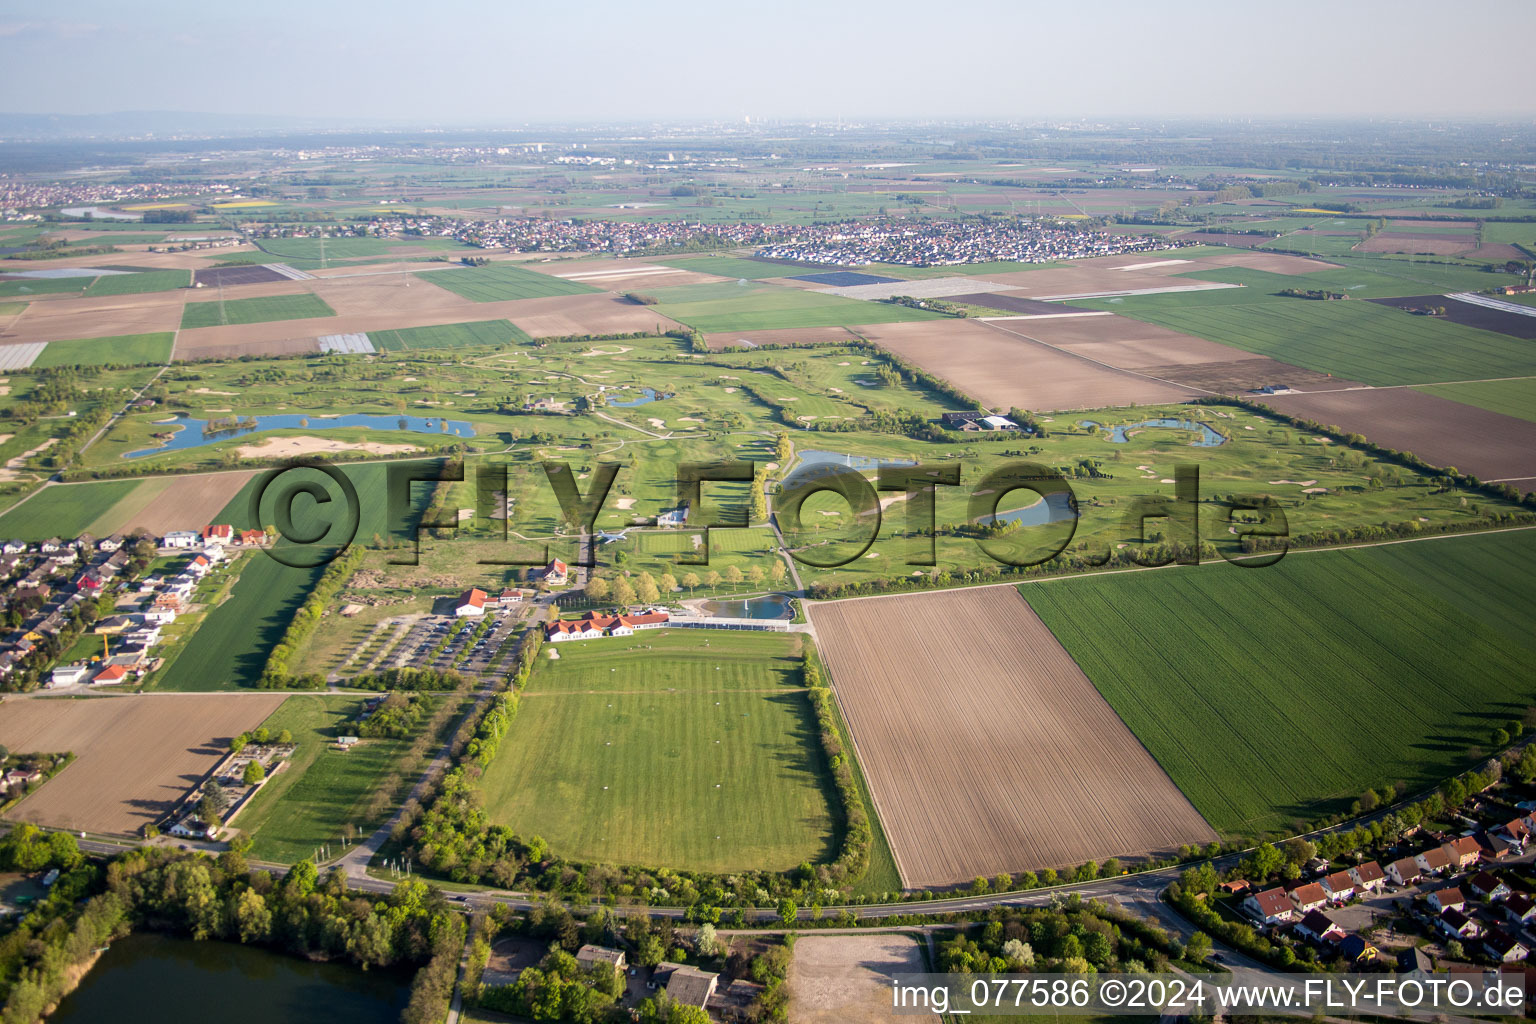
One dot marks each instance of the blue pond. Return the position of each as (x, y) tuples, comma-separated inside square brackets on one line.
[(771, 606), (1208, 437), (817, 457), (647, 396), (195, 433), (1056, 508)]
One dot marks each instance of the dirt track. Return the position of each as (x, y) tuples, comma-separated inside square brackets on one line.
[(986, 747), (135, 756)]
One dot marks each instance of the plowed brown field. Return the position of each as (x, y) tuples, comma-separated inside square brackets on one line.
[(999, 366), (135, 757), (985, 746)]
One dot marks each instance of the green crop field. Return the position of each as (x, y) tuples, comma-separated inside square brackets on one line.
[(688, 749), (1510, 397), (480, 332), (303, 306), (63, 510), (127, 350), (134, 284), (502, 281), (729, 266), (764, 309), (43, 286), (1359, 341), (12, 308), (306, 804), (1275, 696)]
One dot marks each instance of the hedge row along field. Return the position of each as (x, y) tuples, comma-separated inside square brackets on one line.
[(1275, 697)]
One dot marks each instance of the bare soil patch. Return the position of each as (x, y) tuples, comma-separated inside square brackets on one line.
[(1269, 262), (101, 317), (1080, 280), (227, 277), (560, 315), (986, 748), (1239, 376), (847, 978), (187, 503), (1121, 341), (1469, 314), (135, 757), (1002, 367), (1443, 433)]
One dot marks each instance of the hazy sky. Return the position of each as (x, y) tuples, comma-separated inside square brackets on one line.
[(512, 61)]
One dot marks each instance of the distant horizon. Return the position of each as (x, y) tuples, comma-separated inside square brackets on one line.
[(687, 60)]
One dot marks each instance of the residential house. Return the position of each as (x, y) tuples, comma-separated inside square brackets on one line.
[(1271, 906), (110, 544), (251, 538), (218, 533), (51, 546), (1434, 861), (687, 985), (556, 573), (1487, 887), (590, 956), (1519, 908), (14, 547), (1492, 847), (1316, 926), (193, 827), (1462, 852), (470, 603), (1456, 925), (1309, 897), (1339, 886), (180, 539), (1368, 877), (1504, 947), (1414, 961), (1449, 898), (1518, 830)]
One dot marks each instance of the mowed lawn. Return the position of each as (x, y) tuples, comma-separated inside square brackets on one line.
[(1510, 397), (781, 308), (63, 511), (480, 332), (502, 281), (688, 749), (1276, 696), (322, 789), (1359, 341), (303, 306), (123, 350)]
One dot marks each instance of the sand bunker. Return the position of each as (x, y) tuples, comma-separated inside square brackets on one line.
[(283, 446)]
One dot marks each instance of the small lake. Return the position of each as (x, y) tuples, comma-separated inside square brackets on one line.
[(817, 457), (151, 979), (647, 396), (1208, 437), (771, 606), (98, 213), (1056, 508), (194, 433)]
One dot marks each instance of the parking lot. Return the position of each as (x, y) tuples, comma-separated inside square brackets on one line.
[(443, 643)]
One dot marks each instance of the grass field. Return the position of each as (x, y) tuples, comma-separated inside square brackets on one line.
[(502, 281), (480, 332), (303, 306), (765, 310), (12, 308), (1276, 696), (127, 350), (729, 266), (685, 749), (63, 511), (322, 788), (1510, 397), (1359, 341), (135, 284)]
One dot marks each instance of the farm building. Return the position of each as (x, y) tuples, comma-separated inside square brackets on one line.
[(686, 985)]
